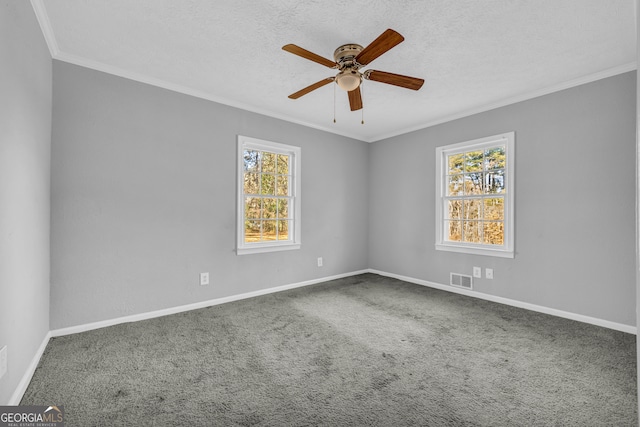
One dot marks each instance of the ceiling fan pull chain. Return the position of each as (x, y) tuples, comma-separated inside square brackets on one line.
[(334, 103), (362, 122)]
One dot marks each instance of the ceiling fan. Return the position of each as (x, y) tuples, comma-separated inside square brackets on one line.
[(348, 59)]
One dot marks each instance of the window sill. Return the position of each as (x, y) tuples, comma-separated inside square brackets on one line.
[(500, 253), (267, 248)]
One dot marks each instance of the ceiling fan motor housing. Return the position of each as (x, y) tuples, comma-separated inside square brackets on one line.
[(346, 54)]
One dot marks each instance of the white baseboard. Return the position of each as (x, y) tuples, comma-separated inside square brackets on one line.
[(16, 397), (541, 309), (26, 379), (202, 304)]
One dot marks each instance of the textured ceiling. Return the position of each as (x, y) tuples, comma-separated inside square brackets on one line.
[(474, 55)]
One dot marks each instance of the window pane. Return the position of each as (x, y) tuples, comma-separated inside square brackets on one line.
[(269, 230), (252, 231), (269, 208), (472, 232), (283, 230), (494, 182), (252, 208), (268, 184), (268, 162), (454, 230), (251, 183), (251, 160), (495, 158), (455, 209), (494, 233), (494, 208), (473, 209), (454, 187), (283, 164), (456, 164), (473, 183), (282, 188), (473, 161), (283, 208)]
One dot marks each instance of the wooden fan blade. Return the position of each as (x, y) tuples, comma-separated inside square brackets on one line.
[(297, 50), (413, 83), (310, 88), (383, 43), (355, 99)]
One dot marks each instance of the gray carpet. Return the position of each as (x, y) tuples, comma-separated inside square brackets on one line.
[(360, 351)]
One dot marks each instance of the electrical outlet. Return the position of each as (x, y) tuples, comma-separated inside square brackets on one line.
[(204, 279), (3, 361), (488, 272), (319, 261), (477, 272)]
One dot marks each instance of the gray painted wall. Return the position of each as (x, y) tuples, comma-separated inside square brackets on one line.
[(143, 185), (25, 152), (574, 206), (143, 200)]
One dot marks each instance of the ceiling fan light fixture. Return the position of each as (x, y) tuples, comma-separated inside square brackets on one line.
[(349, 79)]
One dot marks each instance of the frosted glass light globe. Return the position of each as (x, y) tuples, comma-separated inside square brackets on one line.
[(348, 79)]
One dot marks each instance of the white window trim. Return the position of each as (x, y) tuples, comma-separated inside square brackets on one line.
[(295, 240), (504, 251)]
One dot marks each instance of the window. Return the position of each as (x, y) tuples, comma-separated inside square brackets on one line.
[(268, 196), (474, 196)]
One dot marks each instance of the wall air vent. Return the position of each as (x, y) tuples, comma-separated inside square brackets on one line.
[(461, 280)]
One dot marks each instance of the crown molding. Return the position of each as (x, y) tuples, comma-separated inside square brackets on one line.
[(45, 26), (631, 66), (86, 63), (109, 69)]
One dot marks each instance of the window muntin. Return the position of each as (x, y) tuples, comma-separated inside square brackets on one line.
[(475, 196), (268, 196)]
